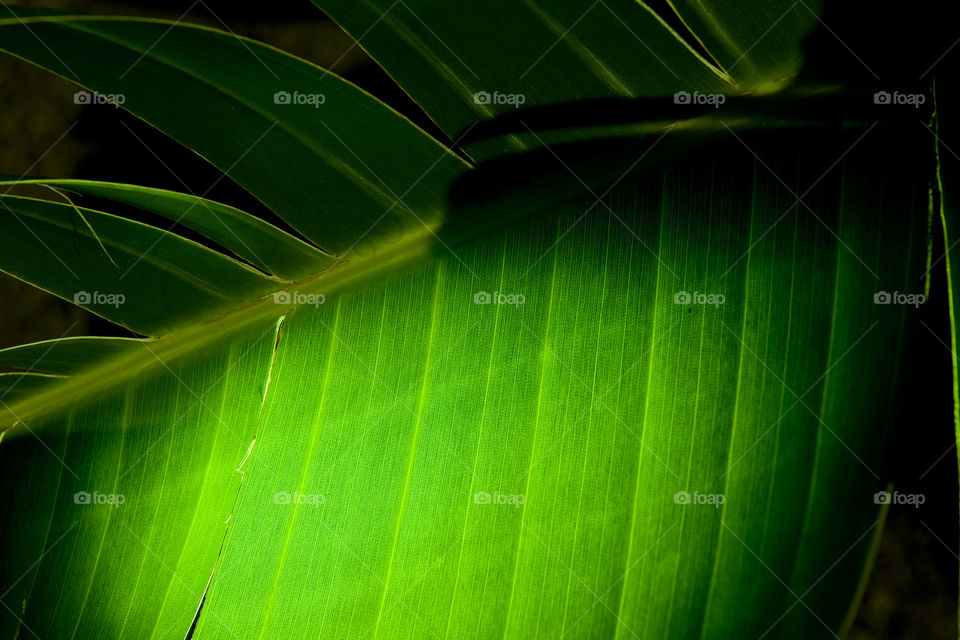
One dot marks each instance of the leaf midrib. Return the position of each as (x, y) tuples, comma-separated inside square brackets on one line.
[(182, 341)]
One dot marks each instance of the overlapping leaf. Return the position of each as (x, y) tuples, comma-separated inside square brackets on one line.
[(336, 164), (462, 66)]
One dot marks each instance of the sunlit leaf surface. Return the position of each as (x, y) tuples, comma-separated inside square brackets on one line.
[(660, 414)]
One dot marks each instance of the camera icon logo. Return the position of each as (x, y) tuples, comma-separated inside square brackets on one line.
[(681, 497), (282, 297), (682, 297), (81, 497), (82, 97), (482, 297), (682, 97), (281, 497), (881, 297), (281, 97), (82, 297), (881, 97), (481, 97), (481, 497), (881, 497)]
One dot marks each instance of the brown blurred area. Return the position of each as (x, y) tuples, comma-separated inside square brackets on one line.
[(38, 113), (912, 591)]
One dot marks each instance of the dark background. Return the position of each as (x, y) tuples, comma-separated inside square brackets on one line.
[(912, 591)]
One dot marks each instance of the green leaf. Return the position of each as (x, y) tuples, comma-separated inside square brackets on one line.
[(346, 173), (528, 54), (259, 243), (152, 283), (64, 356), (758, 44), (156, 434), (369, 428)]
